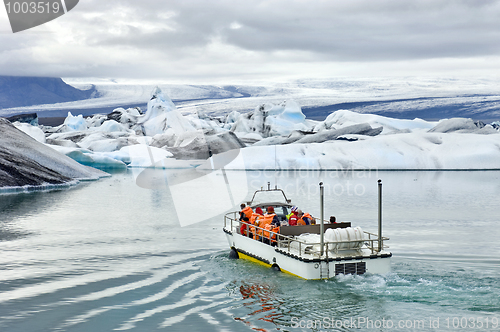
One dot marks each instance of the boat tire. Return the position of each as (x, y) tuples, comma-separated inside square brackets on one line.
[(276, 268), (233, 254)]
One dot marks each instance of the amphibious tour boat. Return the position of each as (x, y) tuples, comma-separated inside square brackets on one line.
[(317, 251)]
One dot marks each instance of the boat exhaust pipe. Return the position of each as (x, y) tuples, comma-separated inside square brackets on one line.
[(322, 223), (380, 243)]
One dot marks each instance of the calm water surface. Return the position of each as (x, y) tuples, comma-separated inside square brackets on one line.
[(112, 256)]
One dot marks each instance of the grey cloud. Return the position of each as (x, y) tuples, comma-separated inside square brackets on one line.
[(362, 30), (332, 31)]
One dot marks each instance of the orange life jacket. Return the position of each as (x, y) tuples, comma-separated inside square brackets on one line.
[(264, 222), (274, 230), (267, 234), (253, 220), (302, 222), (254, 217), (248, 212)]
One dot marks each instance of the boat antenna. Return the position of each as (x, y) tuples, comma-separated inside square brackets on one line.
[(275, 166), (380, 244), (322, 216)]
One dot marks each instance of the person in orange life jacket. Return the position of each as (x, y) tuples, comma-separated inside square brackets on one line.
[(245, 224), (304, 218), (275, 221), (271, 223), (246, 211), (254, 221), (245, 215), (292, 220), (308, 219)]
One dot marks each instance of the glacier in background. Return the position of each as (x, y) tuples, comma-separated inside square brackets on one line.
[(272, 136)]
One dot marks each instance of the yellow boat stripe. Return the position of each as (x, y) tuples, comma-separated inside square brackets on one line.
[(255, 260)]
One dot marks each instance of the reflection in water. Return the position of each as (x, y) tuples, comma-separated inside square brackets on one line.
[(262, 300)]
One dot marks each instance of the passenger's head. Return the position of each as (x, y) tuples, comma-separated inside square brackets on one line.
[(270, 209), (300, 213), (259, 211), (242, 206)]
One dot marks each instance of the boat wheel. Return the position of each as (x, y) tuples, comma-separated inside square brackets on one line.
[(233, 254), (276, 268)]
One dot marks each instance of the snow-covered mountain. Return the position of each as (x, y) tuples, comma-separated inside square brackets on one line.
[(31, 91)]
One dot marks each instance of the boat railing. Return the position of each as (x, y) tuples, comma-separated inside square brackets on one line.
[(303, 247)]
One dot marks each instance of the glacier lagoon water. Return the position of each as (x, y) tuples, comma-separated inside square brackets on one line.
[(112, 256)]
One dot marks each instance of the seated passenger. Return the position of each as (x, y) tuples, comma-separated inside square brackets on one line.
[(294, 218), (274, 219), (304, 218), (270, 222), (246, 211), (244, 226), (254, 220), (294, 208)]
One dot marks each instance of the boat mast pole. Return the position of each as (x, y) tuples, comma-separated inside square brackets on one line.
[(322, 225), (380, 244)]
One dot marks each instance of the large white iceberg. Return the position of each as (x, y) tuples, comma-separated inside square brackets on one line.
[(407, 151), (270, 120), (162, 116), (343, 118), (27, 162)]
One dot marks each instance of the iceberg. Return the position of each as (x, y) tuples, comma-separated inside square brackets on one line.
[(407, 151), (270, 120), (163, 115), (31, 130), (75, 123), (25, 162), (343, 118)]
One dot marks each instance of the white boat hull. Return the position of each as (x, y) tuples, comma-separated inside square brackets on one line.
[(308, 266)]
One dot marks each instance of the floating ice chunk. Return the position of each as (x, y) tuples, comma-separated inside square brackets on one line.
[(89, 158), (343, 118), (32, 131), (462, 125), (75, 123), (271, 120), (145, 156), (162, 115), (417, 150), (291, 112), (111, 126), (105, 142)]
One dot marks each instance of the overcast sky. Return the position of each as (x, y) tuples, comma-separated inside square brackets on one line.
[(226, 40)]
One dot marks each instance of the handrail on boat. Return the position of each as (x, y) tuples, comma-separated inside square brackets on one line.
[(284, 241), (250, 203)]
